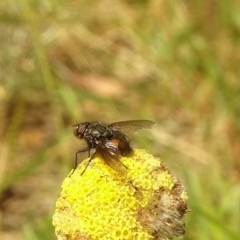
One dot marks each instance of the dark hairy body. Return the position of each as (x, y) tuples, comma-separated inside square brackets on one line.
[(110, 141)]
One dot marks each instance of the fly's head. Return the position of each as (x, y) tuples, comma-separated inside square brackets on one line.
[(79, 129)]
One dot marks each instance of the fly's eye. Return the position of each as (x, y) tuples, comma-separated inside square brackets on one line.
[(79, 129)]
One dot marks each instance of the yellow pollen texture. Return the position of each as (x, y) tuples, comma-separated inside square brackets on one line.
[(103, 204)]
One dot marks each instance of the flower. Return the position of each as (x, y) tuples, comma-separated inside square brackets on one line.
[(146, 203)]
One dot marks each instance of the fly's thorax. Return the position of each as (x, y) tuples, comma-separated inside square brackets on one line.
[(96, 131)]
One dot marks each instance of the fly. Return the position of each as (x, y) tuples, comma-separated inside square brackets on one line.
[(110, 141)]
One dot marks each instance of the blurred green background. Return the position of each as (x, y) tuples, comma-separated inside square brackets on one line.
[(175, 62)]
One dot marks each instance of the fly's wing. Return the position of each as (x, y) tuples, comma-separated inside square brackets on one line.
[(111, 155), (131, 126)]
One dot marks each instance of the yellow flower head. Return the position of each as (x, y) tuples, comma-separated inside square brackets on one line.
[(146, 203)]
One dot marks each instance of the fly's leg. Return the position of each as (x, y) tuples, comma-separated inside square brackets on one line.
[(91, 158), (76, 158)]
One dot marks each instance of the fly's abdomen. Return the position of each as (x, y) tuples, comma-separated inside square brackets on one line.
[(122, 142)]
